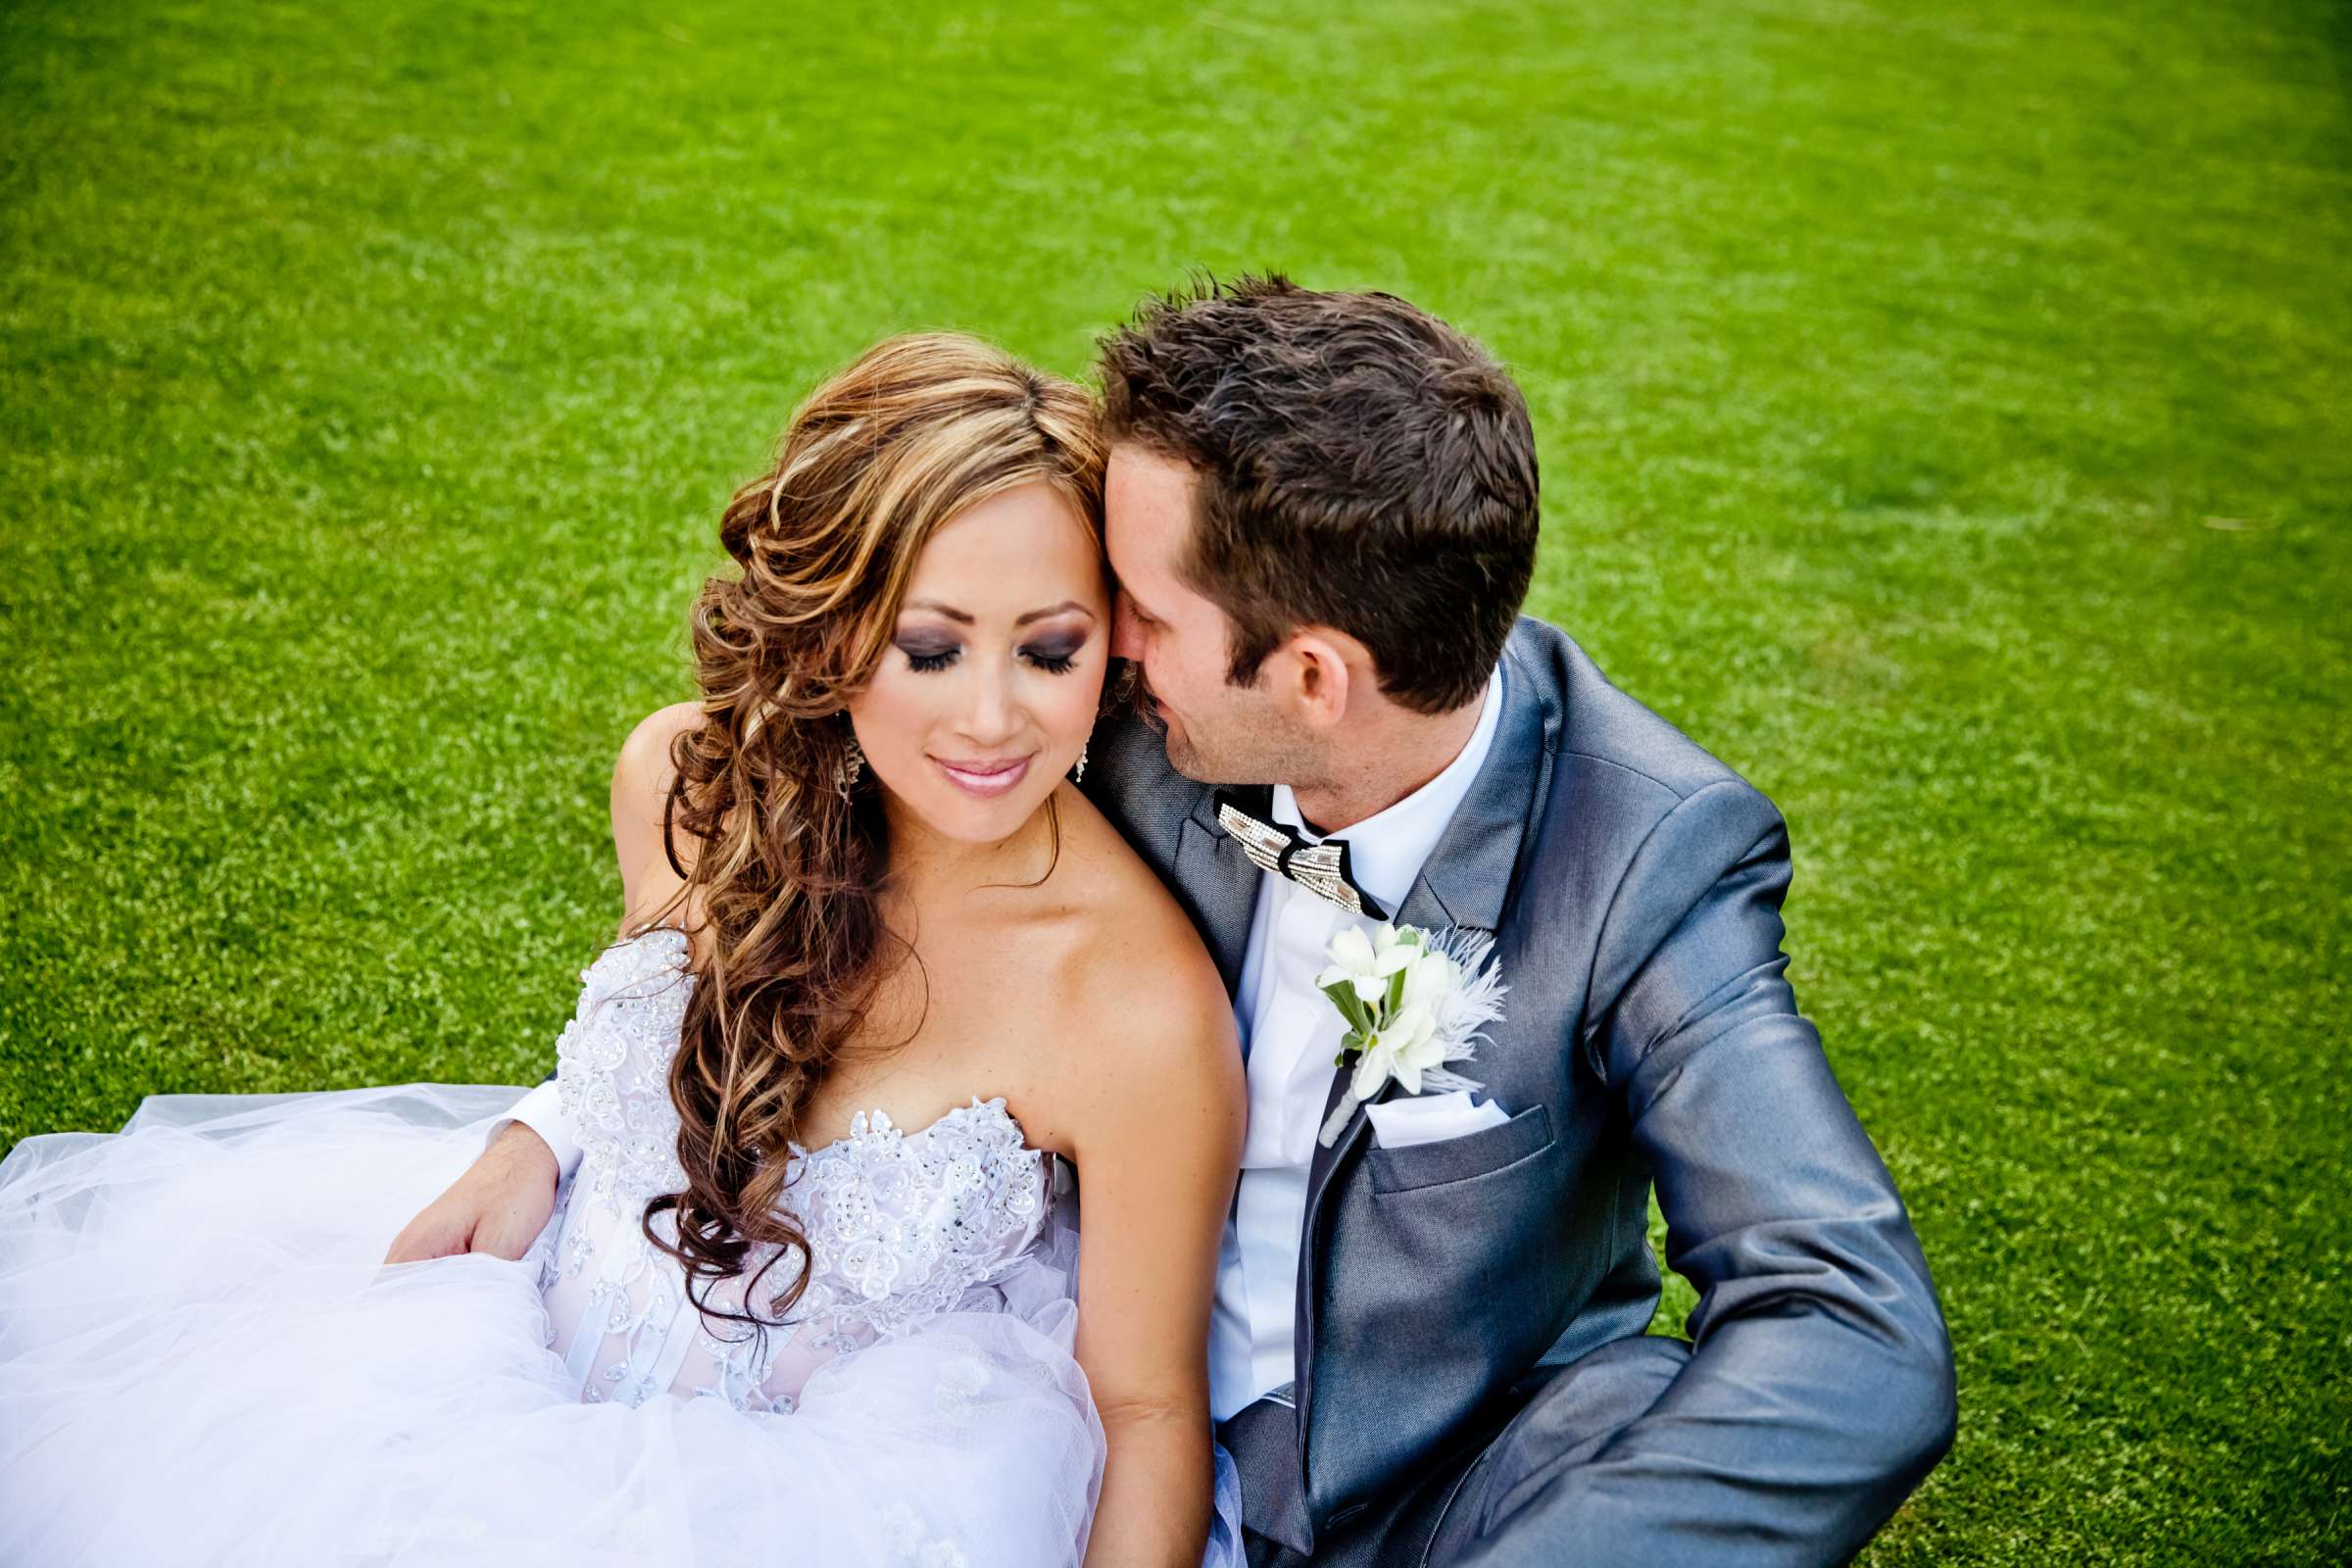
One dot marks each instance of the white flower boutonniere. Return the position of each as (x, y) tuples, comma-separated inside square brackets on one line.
[(1413, 1002)]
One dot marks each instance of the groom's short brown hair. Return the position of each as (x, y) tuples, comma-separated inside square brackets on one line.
[(1360, 465)]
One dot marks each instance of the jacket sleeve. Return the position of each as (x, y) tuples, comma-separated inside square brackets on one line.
[(1819, 1391)]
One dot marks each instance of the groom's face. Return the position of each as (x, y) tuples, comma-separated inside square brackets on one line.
[(1217, 732)]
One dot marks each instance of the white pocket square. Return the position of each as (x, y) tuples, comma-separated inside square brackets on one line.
[(1404, 1122)]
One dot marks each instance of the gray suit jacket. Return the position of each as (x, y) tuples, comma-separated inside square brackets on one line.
[(1633, 884)]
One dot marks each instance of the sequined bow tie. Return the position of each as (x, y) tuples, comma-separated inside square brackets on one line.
[(1321, 868)]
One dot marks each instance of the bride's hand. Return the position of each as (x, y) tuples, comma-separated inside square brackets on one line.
[(499, 1206)]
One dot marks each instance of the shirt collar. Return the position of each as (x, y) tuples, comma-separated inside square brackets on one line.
[(1386, 848)]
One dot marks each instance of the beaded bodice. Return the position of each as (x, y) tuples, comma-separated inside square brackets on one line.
[(900, 1225)]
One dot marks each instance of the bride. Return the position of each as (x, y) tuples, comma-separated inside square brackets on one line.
[(887, 995)]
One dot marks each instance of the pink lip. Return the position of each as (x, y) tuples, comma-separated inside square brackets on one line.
[(985, 778)]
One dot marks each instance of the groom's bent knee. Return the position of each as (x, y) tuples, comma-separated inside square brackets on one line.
[(1583, 1406)]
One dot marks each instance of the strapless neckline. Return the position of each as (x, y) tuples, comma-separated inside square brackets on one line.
[(876, 1123), (871, 1123)]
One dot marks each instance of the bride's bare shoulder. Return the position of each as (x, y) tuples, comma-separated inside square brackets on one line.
[(641, 780), (1141, 1020), (1113, 887), (1137, 947)]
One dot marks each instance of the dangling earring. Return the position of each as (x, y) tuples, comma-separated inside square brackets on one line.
[(846, 771), (1079, 772)]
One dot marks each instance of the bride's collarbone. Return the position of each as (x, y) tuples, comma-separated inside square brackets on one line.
[(976, 1008)]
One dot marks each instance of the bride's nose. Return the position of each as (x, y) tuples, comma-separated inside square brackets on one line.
[(990, 713)]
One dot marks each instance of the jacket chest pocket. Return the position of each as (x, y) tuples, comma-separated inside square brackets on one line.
[(1460, 1160)]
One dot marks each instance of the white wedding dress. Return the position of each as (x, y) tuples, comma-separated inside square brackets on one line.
[(203, 1358)]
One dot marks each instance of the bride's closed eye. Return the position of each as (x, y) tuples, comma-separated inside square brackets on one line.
[(1057, 658)]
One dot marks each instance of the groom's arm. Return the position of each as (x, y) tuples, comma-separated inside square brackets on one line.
[(543, 1113), (1819, 1391)]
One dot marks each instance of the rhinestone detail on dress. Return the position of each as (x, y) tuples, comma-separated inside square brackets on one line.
[(901, 1225)]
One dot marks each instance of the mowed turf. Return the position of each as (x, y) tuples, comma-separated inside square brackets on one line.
[(1942, 419)]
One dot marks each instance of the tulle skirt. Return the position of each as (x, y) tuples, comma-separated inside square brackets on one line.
[(204, 1359)]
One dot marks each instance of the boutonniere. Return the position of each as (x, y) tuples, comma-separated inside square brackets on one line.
[(1413, 1002)]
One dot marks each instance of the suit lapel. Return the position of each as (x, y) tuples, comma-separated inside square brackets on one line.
[(1465, 882), (1219, 879), (1467, 876), (1423, 909)]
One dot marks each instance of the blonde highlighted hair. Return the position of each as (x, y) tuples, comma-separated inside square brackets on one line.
[(787, 873)]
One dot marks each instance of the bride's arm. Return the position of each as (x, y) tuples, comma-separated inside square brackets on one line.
[(1159, 1142)]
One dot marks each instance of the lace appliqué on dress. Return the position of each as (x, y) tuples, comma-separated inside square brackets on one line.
[(901, 1225)]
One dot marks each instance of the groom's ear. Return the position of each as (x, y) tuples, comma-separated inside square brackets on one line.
[(1314, 670)]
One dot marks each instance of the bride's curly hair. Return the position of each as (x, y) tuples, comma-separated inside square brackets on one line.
[(787, 870)]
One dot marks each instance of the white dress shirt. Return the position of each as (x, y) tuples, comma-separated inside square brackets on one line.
[(1290, 1032), (543, 1113)]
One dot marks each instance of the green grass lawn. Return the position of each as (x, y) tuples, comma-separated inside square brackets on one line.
[(1942, 418)]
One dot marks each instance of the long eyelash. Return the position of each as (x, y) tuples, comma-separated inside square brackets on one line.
[(1052, 664)]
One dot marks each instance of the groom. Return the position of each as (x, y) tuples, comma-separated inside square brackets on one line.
[(1427, 1340)]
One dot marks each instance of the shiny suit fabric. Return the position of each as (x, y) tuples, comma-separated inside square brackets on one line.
[(1474, 1384)]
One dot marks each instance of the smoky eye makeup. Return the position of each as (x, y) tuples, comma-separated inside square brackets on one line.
[(928, 652), (1054, 653), (1063, 647)]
